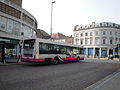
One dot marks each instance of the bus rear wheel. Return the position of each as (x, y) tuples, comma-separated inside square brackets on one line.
[(56, 61)]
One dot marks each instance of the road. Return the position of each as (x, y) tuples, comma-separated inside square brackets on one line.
[(68, 76)]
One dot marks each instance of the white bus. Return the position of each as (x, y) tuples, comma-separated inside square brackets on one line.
[(47, 51)]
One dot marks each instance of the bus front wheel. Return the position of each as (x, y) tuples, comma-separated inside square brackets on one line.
[(78, 59)]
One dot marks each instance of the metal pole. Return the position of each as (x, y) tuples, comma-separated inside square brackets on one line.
[(51, 17)]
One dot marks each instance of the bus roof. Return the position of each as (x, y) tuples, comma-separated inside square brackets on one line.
[(54, 42)]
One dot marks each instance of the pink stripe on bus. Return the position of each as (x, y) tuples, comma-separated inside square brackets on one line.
[(29, 59)]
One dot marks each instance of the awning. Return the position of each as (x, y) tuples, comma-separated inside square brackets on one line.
[(9, 41)]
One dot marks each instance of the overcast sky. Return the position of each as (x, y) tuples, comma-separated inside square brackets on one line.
[(68, 13)]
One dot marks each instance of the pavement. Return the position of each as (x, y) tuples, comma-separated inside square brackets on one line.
[(115, 59), (111, 82), (11, 63)]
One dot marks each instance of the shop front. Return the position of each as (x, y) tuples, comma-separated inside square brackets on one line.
[(90, 51), (97, 52), (104, 52), (9, 50)]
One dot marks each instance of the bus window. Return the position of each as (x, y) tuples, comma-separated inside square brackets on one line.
[(75, 50), (29, 43), (62, 50), (56, 49), (43, 48), (51, 48)]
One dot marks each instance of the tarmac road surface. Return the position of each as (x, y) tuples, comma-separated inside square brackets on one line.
[(68, 76)]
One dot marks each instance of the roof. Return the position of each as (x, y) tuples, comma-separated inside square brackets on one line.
[(42, 34)]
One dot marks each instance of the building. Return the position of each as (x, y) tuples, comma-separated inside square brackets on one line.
[(42, 34), (15, 24), (98, 39), (59, 37)]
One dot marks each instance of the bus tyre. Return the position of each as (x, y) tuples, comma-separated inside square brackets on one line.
[(56, 61), (78, 59)]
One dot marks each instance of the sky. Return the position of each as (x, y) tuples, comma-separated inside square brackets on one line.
[(68, 13)]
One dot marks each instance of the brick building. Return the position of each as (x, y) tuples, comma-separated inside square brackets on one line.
[(59, 37)]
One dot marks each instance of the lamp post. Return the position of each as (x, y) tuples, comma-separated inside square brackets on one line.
[(51, 17)]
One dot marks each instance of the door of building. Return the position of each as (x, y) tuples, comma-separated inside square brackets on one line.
[(2, 54)]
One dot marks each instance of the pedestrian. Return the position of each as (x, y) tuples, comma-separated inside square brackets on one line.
[(3, 58), (119, 58), (110, 57), (19, 58)]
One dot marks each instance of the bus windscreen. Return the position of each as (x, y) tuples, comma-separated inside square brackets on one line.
[(28, 48)]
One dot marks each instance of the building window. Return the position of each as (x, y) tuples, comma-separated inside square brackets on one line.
[(86, 41), (100, 24), (104, 41), (111, 41), (9, 26), (97, 40), (77, 35), (77, 41), (3, 21), (110, 32), (81, 34), (96, 32), (116, 33), (116, 40), (90, 33), (104, 32), (86, 34), (81, 42), (27, 31), (91, 41)]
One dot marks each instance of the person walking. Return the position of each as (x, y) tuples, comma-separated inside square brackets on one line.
[(110, 57)]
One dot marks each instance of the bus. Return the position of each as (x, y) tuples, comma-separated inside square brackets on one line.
[(46, 51)]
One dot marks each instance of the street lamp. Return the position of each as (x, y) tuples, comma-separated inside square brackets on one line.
[(51, 17)]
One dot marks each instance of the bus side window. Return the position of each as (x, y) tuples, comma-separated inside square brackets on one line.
[(51, 48), (43, 48), (62, 50), (56, 49)]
